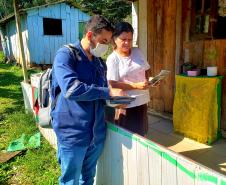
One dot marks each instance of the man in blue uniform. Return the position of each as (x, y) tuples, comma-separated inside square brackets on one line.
[(80, 85)]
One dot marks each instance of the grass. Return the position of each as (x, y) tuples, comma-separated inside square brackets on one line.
[(2, 57), (34, 166)]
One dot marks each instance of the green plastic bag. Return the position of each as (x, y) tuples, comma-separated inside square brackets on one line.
[(25, 142)]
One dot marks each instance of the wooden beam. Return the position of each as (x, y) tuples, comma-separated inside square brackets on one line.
[(142, 26), (150, 40), (178, 62), (21, 46), (162, 18)]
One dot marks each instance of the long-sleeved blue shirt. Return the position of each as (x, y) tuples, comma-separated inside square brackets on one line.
[(78, 117)]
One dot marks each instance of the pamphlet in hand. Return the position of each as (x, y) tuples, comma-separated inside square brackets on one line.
[(121, 99), (157, 78)]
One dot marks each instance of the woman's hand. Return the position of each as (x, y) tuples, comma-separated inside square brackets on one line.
[(155, 84), (117, 92), (140, 85)]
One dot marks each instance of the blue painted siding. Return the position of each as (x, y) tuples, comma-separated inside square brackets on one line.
[(40, 48), (43, 47)]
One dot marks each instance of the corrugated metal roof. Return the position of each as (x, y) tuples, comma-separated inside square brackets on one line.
[(23, 11)]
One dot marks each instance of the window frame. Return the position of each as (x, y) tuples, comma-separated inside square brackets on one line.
[(47, 27), (194, 35)]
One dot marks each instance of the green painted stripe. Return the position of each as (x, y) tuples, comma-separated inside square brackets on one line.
[(219, 98), (136, 138), (112, 127), (169, 158), (150, 145), (124, 133), (223, 182), (186, 171), (143, 143), (207, 177), (118, 130), (155, 150)]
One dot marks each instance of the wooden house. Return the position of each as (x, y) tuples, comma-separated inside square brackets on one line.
[(173, 32), (44, 29)]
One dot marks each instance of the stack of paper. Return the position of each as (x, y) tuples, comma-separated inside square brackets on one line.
[(160, 76), (121, 99)]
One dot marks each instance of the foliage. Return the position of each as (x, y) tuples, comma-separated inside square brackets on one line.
[(115, 10), (2, 57), (6, 6), (38, 166)]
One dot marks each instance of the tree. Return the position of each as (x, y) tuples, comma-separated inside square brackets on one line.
[(6, 6), (21, 46), (115, 10)]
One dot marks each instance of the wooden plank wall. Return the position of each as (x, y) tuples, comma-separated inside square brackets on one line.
[(129, 159), (210, 53), (161, 50), (166, 35), (43, 47)]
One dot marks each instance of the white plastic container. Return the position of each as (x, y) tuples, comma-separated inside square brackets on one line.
[(35, 79), (212, 71)]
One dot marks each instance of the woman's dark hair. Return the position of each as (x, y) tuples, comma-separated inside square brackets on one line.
[(119, 29), (122, 27), (97, 23)]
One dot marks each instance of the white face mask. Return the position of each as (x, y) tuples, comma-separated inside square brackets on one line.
[(99, 50)]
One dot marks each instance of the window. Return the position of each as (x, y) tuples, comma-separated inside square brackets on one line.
[(52, 26), (221, 28), (203, 19), (221, 20), (81, 26)]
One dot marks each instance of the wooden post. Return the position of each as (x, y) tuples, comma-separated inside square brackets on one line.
[(178, 37), (17, 18)]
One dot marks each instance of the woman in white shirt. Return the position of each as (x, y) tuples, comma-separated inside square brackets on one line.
[(126, 70)]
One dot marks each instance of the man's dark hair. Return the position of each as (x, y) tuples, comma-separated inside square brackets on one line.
[(97, 23), (122, 27)]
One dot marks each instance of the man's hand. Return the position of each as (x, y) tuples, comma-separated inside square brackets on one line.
[(118, 92)]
